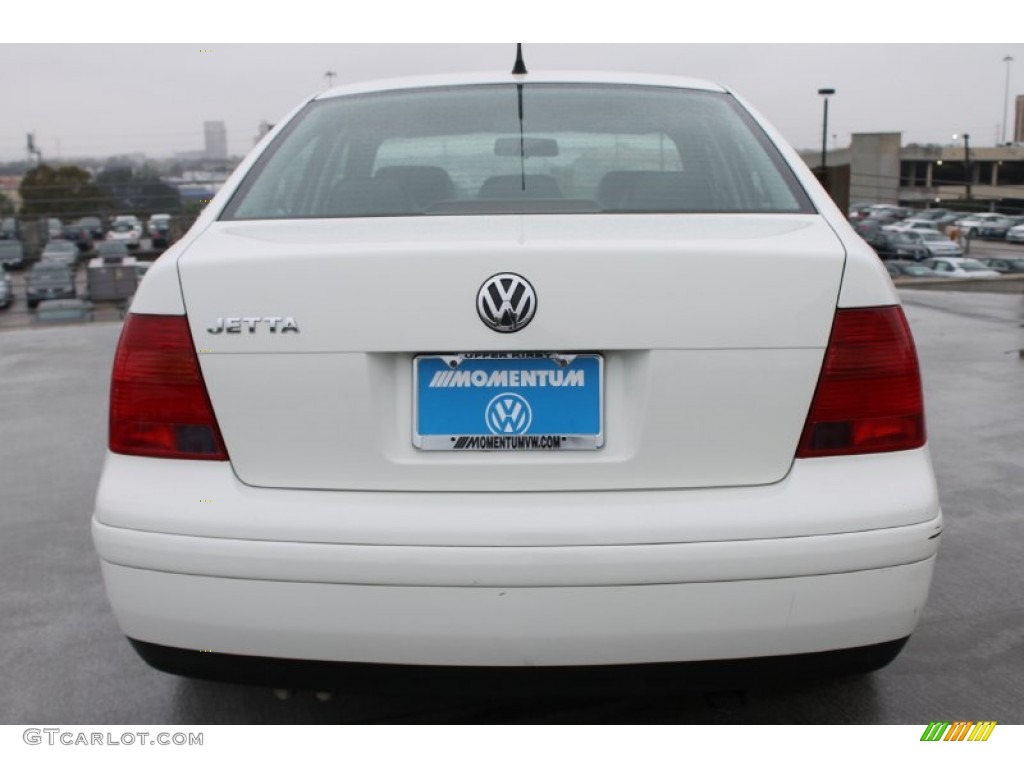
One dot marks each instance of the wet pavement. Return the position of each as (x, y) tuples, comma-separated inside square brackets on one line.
[(64, 660)]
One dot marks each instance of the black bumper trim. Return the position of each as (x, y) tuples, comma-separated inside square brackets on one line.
[(357, 677)]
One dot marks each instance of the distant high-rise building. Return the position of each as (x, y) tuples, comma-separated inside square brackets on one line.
[(216, 140), (1018, 124)]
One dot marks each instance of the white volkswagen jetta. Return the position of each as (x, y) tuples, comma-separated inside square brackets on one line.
[(516, 370)]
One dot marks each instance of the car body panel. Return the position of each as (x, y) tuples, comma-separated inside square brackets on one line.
[(348, 421), (845, 494)]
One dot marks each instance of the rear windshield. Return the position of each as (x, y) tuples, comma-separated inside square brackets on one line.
[(535, 148)]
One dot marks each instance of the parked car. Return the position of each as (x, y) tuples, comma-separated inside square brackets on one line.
[(49, 280), (61, 251), (12, 254), (902, 226), (936, 243), (897, 245), (947, 219), (80, 235), (126, 232), (889, 210), (6, 290), (64, 311), (159, 226), (985, 225), (931, 214), (996, 229), (10, 228), (1005, 265), (958, 267), (51, 228), (1015, 234), (902, 269), (111, 250), (95, 226), (396, 404)]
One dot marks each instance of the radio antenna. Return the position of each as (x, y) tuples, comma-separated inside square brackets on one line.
[(520, 67)]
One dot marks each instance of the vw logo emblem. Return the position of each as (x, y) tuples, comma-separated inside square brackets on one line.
[(506, 302), (508, 414)]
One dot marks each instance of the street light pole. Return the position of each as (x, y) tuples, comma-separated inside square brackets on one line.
[(967, 161), (826, 92), (1006, 96)]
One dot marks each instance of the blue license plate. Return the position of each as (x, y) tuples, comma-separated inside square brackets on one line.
[(508, 402)]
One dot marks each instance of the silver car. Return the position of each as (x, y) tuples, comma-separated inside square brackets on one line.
[(936, 243), (958, 267)]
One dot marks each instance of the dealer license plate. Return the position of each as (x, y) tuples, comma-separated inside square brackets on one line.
[(508, 402)]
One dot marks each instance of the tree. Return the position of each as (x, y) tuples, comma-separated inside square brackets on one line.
[(138, 190), (6, 205), (66, 192)]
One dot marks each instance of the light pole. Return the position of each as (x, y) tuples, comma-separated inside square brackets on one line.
[(967, 161), (1006, 96), (330, 78), (826, 92)]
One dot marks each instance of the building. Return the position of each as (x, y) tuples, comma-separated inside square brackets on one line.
[(883, 170), (216, 140), (1018, 124)]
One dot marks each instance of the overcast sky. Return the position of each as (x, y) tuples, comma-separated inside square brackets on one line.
[(104, 98)]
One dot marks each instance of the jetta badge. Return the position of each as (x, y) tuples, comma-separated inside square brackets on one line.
[(236, 324), (506, 302)]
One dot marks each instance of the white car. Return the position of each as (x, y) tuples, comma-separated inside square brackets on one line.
[(560, 370), (936, 243), (959, 267), (1015, 234), (127, 230), (912, 224), (992, 225)]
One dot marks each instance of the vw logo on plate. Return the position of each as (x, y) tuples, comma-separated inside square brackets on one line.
[(506, 302), (508, 414)]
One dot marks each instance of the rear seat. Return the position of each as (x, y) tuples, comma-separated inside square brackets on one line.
[(655, 191), (539, 186), (426, 184)]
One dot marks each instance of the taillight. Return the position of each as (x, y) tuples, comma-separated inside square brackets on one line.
[(158, 401), (868, 398)]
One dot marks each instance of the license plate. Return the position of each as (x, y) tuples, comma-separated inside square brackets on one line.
[(508, 402)]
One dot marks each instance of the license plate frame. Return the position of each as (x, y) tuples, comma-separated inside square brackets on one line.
[(455, 408)]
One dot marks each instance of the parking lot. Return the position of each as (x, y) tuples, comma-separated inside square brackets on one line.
[(19, 315), (65, 660)]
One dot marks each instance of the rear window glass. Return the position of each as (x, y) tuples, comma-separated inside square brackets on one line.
[(535, 148)]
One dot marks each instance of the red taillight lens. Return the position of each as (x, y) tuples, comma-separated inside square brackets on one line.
[(158, 401), (869, 393)]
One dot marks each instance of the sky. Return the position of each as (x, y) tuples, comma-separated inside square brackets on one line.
[(128, 90)]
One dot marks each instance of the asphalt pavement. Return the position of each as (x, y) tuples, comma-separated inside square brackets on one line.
[(63, 659)]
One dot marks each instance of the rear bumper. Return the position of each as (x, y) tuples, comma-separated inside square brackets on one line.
[(838, 556), (519, 626)]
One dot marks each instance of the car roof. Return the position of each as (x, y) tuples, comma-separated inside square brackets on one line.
[(490, 78)]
